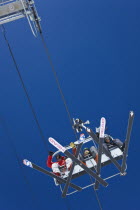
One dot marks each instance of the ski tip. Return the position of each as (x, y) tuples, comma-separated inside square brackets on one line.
[(56, 144), (102, 127), (103, 121), (50, 139), (27, 163), (131, 113), (24, 161)]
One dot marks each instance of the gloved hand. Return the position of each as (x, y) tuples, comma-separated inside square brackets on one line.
[(51, 153), (72, 145)]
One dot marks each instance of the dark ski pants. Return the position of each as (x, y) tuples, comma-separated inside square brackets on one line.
[(116, 142)]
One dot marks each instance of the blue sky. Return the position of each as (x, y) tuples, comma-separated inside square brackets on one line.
[(95, 48)]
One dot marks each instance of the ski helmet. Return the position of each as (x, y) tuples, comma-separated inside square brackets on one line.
[(86, 149), (58, 156)]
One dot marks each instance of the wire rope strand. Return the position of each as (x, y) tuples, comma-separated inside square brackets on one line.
[(57, 82), (24, 88), (3, 123), (65, 200), (67, 203), (97, 197)]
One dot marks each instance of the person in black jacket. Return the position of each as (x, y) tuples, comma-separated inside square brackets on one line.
[(109, 140)]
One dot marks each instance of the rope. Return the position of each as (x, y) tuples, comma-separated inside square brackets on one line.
[(27, 95), (97, 198), (65, 199), (57, 82), (67, 204), (24, 88), (19, 160)]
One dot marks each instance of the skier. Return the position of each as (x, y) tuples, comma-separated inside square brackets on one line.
[(109, 140), (61, 165), (92, 152)]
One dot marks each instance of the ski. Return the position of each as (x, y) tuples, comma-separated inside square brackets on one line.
[(93, 135), (101, 140), (128, 134), (38, 168), (71, 171), (67, 153)]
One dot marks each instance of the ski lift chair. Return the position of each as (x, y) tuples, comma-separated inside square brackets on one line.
[(90, 162)]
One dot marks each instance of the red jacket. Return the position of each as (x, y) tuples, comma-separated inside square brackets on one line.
[(60, 162)]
